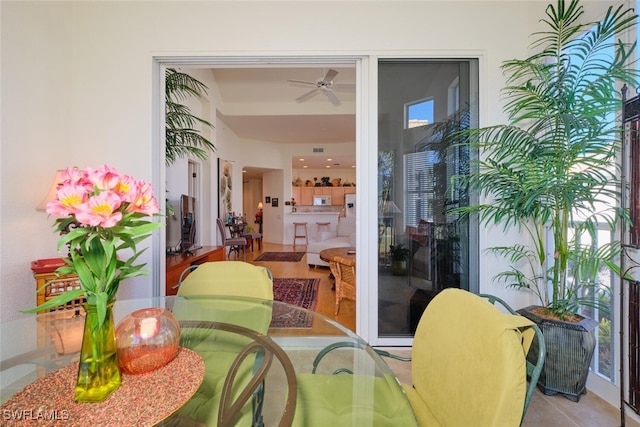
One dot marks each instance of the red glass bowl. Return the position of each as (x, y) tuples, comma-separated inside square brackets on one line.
[(146, 340)]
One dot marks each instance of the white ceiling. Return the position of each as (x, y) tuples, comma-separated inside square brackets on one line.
[(260, 103)]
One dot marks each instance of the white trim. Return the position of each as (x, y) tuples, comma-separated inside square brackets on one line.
[(366, 177), (158, 176)]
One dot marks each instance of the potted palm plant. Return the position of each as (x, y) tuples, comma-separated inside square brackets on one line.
[(551, 173)]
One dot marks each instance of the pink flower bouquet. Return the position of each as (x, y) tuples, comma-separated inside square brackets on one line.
[(101, 214)]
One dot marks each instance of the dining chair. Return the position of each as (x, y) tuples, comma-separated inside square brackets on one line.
[(469, 363), (220, 349), (338, 397), (236, 278), (235, 244), (535, 356), (344, 272)]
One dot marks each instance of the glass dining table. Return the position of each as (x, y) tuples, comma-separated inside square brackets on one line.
[(319, 374)]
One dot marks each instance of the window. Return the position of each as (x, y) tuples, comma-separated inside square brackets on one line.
[(605, 358), (419, 186), (419, 113)]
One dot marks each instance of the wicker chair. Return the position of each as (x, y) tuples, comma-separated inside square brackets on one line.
[(344, 271)]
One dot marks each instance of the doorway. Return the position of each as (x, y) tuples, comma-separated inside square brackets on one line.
[(260, 156), (370, 121)]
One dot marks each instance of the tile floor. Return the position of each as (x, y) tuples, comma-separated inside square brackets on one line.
[(546, 411)]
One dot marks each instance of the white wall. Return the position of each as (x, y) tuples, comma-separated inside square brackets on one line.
[(35, 141), (273, 217)]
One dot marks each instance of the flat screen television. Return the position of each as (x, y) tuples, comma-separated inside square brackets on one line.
[(188, 223)]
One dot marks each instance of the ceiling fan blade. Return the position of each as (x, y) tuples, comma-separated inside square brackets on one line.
[(344, 86), (306, 95), (303, 83), (331, 74), (332, 97)]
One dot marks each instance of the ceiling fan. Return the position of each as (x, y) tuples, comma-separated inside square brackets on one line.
[(324, 85)]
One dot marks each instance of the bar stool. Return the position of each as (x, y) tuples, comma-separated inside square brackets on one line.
[(323, 226), (300, 227)]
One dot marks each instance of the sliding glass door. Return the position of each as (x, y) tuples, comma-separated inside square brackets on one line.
[(423, 247)]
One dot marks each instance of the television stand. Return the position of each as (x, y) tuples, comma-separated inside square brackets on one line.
[(179, 262)]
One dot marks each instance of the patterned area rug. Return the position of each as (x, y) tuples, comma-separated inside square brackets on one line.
[(280, 256), (300, 292)]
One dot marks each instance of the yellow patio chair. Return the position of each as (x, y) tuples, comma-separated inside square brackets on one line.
[(469, 364), (220, 348), (535, 357), (234, 278)]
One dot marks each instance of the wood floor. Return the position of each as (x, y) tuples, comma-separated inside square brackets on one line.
[(544, 411), (326, 297)]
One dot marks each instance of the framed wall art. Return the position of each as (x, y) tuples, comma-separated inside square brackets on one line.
[(225, 188)]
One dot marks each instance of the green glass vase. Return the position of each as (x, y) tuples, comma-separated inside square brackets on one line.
[(98, 370)]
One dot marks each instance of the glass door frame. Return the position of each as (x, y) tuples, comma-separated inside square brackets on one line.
[(367, 160)]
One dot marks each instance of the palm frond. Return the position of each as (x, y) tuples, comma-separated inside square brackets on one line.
[(183, 137)]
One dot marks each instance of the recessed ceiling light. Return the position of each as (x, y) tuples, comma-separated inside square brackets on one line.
[(302, 160), (244, 171), (353, 166), (305, 166), (328, 166), (329, 160)]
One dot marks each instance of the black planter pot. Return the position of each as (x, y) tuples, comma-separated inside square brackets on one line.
[(569, 348)]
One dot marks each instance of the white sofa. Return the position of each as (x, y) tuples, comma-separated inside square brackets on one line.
[(343, 236)]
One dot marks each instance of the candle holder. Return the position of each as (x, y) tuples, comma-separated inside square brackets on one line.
[(146, 340)]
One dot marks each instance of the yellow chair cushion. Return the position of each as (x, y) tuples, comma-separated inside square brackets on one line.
[(218, 349), (228, 278), (468, 363), (351, 400), (421, 411), (245, 312)]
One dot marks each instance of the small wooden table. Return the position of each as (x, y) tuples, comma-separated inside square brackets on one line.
[(328, 254)]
